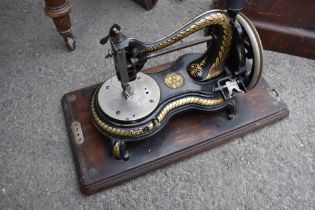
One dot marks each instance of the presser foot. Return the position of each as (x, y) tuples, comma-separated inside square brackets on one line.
[(230, 87), (119, 150)]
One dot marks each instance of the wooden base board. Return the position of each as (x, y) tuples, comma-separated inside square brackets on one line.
[(185, 135)]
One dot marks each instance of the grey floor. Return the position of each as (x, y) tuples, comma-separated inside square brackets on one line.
[(272, 168)]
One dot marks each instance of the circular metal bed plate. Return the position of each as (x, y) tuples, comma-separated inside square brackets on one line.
[(143, 101)]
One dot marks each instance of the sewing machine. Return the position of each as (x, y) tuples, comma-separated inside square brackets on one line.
[(155, 116), (132, 106)]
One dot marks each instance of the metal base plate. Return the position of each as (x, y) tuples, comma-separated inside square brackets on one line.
[(143, 101)]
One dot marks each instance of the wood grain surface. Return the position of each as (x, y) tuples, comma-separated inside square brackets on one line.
[(284, 26)]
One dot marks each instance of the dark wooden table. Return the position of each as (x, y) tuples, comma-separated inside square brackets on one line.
[(59, 11), (284, 26)]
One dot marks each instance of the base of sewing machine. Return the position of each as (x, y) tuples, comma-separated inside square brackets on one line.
[(185, 135)]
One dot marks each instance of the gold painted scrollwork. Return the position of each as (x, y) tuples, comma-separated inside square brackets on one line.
[(123, 132), (219, 18), (174, 80), (196, 68), (116, 151)]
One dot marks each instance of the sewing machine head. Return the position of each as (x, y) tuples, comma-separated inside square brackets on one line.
[(129, 57), (132, 106)]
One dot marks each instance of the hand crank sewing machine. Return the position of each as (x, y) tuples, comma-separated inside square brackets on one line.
[(132, 106), (216, 95)]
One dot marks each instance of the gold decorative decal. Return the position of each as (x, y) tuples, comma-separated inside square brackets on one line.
[(116, 151), (219, 18), (185, 101), (174, 80), (196, 68), (122, 132)]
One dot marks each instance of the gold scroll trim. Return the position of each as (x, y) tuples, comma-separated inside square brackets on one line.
[(161, 116)]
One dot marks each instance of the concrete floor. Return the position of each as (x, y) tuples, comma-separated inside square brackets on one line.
[(269, 169)]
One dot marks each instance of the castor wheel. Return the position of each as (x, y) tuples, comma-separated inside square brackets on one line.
[(70, 43)]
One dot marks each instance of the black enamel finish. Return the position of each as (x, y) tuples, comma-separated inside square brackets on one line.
[(190, 88)]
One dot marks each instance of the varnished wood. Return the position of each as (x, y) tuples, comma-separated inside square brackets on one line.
[(185, 135), (59, 11), (284, 26)]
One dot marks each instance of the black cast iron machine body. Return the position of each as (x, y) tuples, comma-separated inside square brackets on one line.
[(132, 106)]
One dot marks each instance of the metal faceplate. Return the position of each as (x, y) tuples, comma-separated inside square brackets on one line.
[(143, 101)]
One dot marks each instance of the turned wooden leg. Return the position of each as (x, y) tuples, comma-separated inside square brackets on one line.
[(59, 11)]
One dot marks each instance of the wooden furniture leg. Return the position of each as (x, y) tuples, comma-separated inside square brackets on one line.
[(59, 11)]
